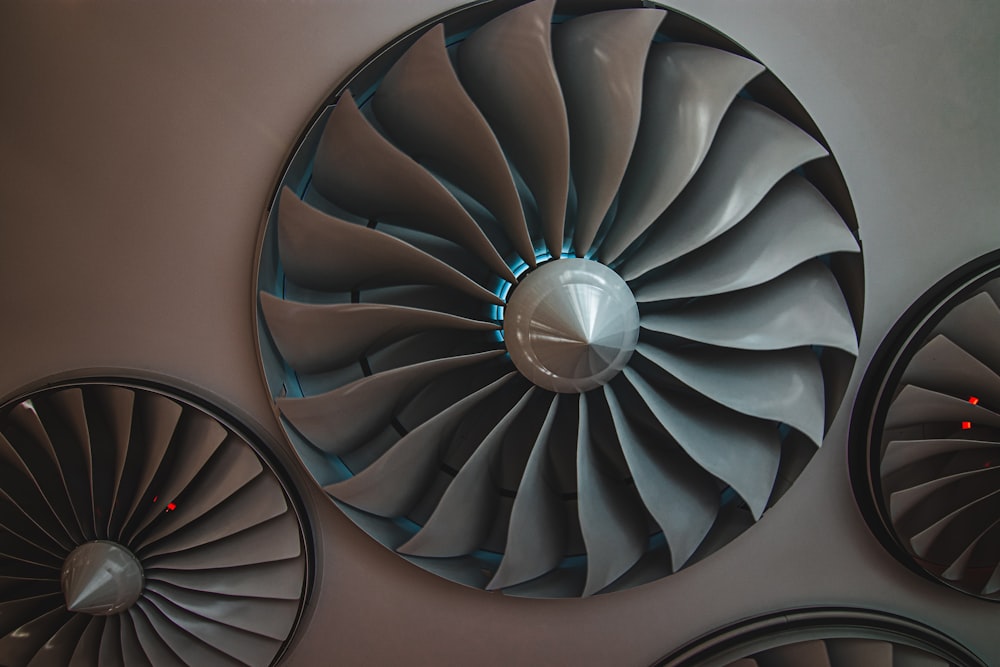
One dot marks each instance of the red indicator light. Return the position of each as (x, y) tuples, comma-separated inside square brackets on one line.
[(974, 400), (966, 426), (154, 498), (171, 507)]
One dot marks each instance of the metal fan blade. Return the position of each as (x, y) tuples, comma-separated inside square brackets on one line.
[(968, 521), (391, 485), (741, 451), (339, 421), (536, 535), (611, 517), (958, 568), (313, 338), (54, 530), (132, 653), (111, 644), (916, 405), (793, 224), (253, 504), (190, 649), (119, 409), (428, 114), (681, 497), (87, 650), (604, 52), (19, 646), (463, 517), (155, 648), (70, 404), (802, 307), (58, 650), (159, 417), (519, 95), (972, 326), (278, 580), (904, 500), (21, 532), (901, 453), (357, 169), (277, 539), (850, 652), (783, 385), (245, 647), (229, 471), (945, 367), (321, 252), (687, 89), (753, 150), (812, 653), (259, 618)]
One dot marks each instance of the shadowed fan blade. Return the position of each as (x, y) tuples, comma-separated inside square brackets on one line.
[(152, 644), (188, 648), (119, 406), (246, 647), (753, 150), (600, 58), (278, 580), (960, 526), (945, 367), (682, 498), (611, 517), (741, 451), (901, 502), (464, 515), (536, 536), (783, 385), (520, 96), (314, 338), (111, 643), (391, 485), (54, 530), (341, 420), (793, 223), (18, 647), (70, 404), (856, 652), (86, 652), (428, 114), (132, 653), (226, 473), (901, 453), (58, 650), (959, 567), (356, 168), (254, 615), (802, 307), (812, 653), (321, 252), (972, 325), (915, 405), (687, 89)]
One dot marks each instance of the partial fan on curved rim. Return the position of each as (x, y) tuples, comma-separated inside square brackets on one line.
[(827, 638), (934, 438), (558, 305), (138, 529)]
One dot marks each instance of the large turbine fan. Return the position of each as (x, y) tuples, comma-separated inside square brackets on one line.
[(935, 442), (136, 529), (825, 638), (559, 300)]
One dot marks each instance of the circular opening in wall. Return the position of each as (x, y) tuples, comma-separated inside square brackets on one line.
[(558, 303)]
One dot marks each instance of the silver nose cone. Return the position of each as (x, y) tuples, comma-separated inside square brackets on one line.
[(571, 325), (101, 578)]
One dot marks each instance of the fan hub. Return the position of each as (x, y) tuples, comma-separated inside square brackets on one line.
[(571, 325), (101, 578)]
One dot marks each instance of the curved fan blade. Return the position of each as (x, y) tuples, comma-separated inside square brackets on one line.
[(119, 409), (793, 223), (427, 113), (78, 454), (916, 405), (802, 307), (682, 498), (901, 453), (359, 170), (611, 517), (321, 252), (783, 385), (753, 150), (111, 643), (687, 89), (520, 96), (603, 52), (314, 338), (279, 580), (710, 436), (19, 646), (972, 325), (340, 420), (960, 526), (190, 649), (59, 648), (51, 529), (390, 485), (156, 650), (87, 650), (232, 611), (464, 515), (945, 367), (901, 502), (536, 536)]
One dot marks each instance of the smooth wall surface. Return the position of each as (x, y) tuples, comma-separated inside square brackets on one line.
[(141, 142)]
